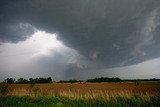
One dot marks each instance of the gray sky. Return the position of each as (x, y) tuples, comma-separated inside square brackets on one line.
[(79, 39)]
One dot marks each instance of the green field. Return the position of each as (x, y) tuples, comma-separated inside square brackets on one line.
[(61, 101)]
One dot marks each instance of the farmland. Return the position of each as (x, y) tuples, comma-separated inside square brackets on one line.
[(63, 94)]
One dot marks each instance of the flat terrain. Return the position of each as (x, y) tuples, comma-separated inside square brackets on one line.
[(76, 89), (126, 94)]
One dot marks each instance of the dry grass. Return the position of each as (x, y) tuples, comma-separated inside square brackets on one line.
[(87, 90)]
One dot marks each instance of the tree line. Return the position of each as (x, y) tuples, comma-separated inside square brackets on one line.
[(105, 79), (49, 80), (25, 81)]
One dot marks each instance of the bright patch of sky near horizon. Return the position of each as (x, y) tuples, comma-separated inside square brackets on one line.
[(37, 56), (39, 43), (14, 55), (20, 60)]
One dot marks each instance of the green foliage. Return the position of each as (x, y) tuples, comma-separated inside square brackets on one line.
[(22, 81), (41, 80), (70, 81), (9, 80), (133, 80), (104, 79), (25, 81), (49, 80), (61, 101)]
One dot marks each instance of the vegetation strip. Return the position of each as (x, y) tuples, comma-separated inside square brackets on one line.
[(62, 101)]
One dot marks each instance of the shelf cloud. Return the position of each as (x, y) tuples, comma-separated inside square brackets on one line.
[(103, 33)]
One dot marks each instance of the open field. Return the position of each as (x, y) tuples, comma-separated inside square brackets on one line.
[(142, 93), (77, 89)]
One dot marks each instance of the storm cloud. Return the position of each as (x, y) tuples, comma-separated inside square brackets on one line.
[(106, 33)]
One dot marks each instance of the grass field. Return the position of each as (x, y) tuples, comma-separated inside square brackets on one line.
[(82, 94)]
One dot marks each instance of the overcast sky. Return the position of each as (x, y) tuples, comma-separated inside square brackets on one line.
[(79, 39)]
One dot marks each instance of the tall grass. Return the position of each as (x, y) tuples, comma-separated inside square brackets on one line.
[(62, 101), (4, 90), (86, 95)]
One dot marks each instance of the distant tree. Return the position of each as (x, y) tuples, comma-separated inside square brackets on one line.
[(72, 81), (9, 80), (117, 80), (153, 79), (31, 80), (22, 81), (25, 81), (40, 80), (49, 80), (104, 79)]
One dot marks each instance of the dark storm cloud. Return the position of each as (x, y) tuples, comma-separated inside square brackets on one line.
[(113, 32)]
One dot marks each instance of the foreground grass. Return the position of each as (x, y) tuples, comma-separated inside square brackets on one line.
[(62, 101)]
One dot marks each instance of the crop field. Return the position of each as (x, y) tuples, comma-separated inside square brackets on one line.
[(78, 89), (143, 93)]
